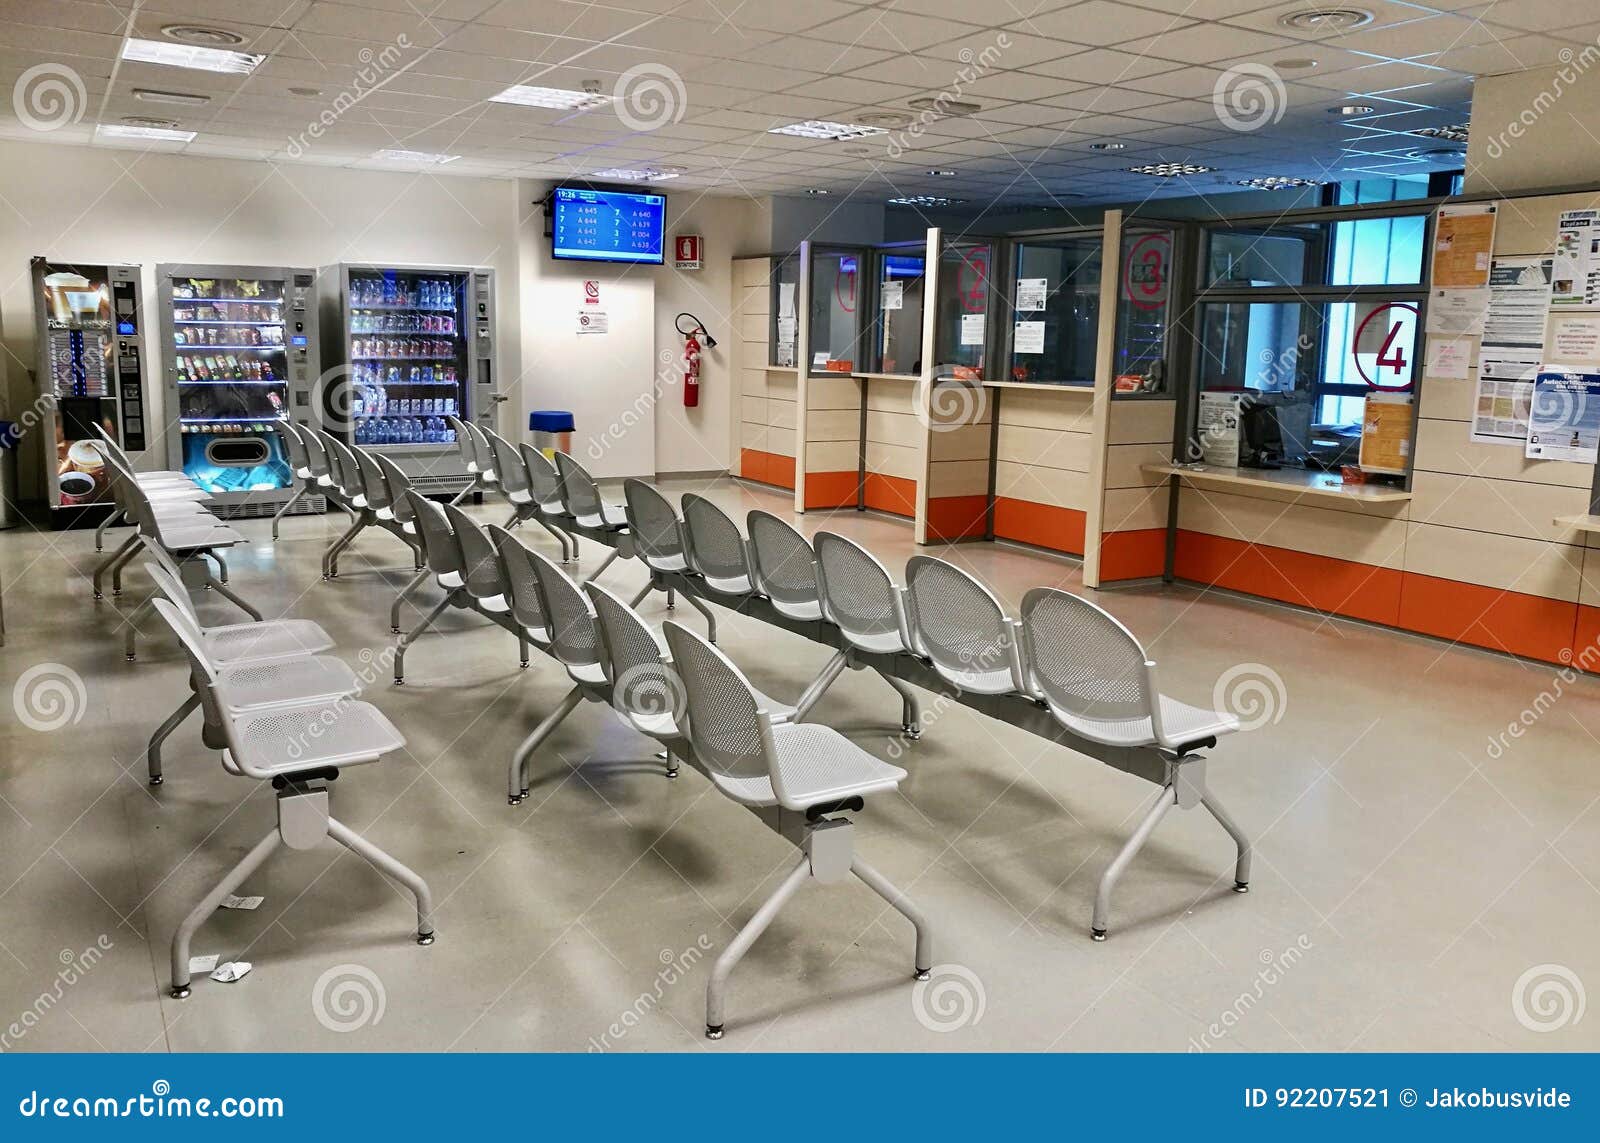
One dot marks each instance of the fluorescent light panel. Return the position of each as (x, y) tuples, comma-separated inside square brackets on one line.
[(127, 131), (1169, 170), (431, 158), (191, 56), (635, 176), (825, 129), (558, 98)]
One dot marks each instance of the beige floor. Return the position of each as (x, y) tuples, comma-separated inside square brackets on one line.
[(1408, 876)]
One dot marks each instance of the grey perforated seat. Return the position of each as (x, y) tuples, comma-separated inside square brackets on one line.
[(582, 496), (785, 566), (860, 598), (657, 532), (297, 748), (346, 472), (1097, 681), (299, 465), (959, 624), (807, 769), (482, 576), (715, 547), (399, 508), (522, 584), (509, 469)]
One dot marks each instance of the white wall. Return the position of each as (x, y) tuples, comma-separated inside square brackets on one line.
[(1530, 129), (100, 205)]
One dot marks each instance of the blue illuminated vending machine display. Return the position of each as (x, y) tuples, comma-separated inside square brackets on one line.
[(241, 346)]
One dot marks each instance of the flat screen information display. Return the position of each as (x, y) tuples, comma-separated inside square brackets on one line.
[(608, 226)]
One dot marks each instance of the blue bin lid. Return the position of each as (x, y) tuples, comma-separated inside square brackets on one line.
[(9, 437), (550, 421)]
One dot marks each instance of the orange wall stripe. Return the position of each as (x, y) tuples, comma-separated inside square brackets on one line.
[(1138, 554), (830, 490), (956, 517), (767, 467), (1527, 625), (753, 464), (891, 494), (1342, 587), (1043, 525)]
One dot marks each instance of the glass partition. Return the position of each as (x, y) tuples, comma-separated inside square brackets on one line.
[(1353, 252), (784, 314), (1144, 311), (961, 328), (835, 310), (1055, 310), (895, 337)]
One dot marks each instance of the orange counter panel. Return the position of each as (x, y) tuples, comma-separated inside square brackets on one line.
[(1043, 525)]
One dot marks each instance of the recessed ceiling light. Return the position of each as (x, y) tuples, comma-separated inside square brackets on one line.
[(152, 134), (928, 200), (426, 158), (196, 34), (191, 56), (308, 92), (557, 98), (1170, 170), (941, 173), (1326, 20), (1110, 145), (1434, 154), (1455, 133), (1346, 110), (638, 174), (858, 150), (818, 190), (826, 129), (149, 121), (151, 95), (888, 119), (940, 105), (1296, 64), (1279, 182)]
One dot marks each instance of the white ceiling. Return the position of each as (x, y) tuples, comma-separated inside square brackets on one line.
[(1068, 73)]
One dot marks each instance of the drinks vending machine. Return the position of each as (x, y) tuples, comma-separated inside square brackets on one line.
[(242, 354), (417, 344), (89, 334)]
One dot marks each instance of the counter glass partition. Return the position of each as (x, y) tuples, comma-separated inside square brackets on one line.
[(836, 326), (784, 312), (1144, 311), (894, 339), (1054, 310), (965, 289)]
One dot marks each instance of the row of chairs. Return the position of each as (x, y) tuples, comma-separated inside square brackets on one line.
[(276, 707)]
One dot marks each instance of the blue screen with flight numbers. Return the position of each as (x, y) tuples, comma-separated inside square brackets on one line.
[(608, 226)]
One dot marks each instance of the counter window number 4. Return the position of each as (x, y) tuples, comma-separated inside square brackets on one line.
[(1392, 355)]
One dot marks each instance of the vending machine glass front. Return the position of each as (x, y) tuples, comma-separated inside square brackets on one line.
[(408, 355)]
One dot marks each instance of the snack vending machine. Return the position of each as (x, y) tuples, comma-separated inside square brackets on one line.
[(418, 346), (242, 354), (89, 334)]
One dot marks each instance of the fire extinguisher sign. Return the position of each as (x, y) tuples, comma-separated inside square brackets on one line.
[(686, 252)]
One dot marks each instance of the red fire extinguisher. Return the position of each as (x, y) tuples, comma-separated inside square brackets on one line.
[(691, 357)]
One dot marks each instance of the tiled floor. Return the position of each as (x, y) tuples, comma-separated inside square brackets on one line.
[(1408, 874)]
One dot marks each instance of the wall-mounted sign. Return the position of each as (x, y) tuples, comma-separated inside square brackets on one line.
[(593, 321), (1145, 271), (686, 251), (591, 292), (1564, 417), (1384, 344)]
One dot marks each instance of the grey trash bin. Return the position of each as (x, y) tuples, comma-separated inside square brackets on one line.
[(10, 514)]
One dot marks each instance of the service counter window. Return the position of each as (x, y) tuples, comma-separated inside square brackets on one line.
[(895, 337), (785, 312), (1055, 310), (1306, 343), (836, 326), (961, 328), (1144, 312)]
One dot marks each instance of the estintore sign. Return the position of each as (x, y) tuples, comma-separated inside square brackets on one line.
[(1385, 340), (1144, 271), (591, 292), (686, 252)]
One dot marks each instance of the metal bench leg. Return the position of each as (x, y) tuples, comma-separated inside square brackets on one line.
[(119, 565), (819, 685), (394, 609), (152, 754), (882, 886), (123, 553), (299, 491), (130, 631), (717, 987), (357, 844), (910, 707), (413, 635), (100, 532), (464, 493), (561, 537), (640, 594), (1241, 869), (711, 620), (672, 599), (1164, 801), (330, 558), (517, 778), (221, 588), (197, 916), (604, 564), (522, 649), (222, 567)]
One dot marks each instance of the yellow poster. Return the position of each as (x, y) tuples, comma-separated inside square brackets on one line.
[(1386, 433), (1463, 245)]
